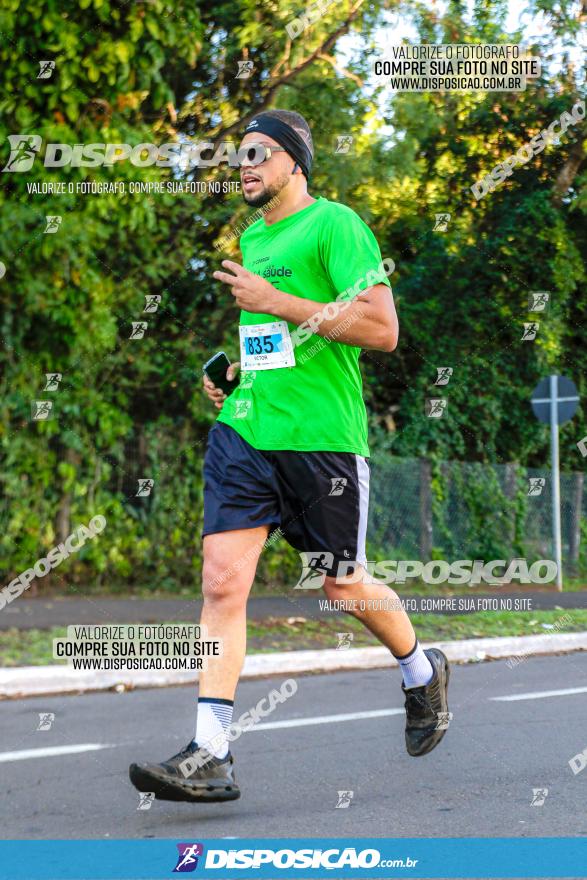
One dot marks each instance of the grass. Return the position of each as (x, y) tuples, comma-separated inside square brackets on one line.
[(34, 647)]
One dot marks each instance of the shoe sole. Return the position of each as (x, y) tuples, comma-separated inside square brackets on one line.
[(211, 791), (444, 676)]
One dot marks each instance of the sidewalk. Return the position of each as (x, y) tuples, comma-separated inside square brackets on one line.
[(35, 681), (46, 613)]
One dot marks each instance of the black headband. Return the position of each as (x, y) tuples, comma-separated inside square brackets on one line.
[(286, 137)]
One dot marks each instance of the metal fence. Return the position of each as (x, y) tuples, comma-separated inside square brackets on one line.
[(455, 510)]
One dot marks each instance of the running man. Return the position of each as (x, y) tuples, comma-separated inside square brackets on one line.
[(289, 449)]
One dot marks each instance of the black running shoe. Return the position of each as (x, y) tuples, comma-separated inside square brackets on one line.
[(427, 715), (211, 779)]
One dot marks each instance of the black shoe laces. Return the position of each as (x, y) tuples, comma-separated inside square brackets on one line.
[(418, 703), (184, 753)]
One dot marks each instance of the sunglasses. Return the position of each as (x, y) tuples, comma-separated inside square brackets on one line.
[(256, 154)]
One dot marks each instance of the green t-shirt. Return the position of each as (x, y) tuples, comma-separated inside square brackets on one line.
[(320, 253)]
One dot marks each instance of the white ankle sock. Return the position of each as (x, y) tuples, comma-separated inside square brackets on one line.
[(416, 668), (214, 719)]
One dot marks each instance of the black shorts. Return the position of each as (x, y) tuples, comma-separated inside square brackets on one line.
[(319, 500)]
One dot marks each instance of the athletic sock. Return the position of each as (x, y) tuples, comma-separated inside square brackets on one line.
[(214, 719), (416, 668)]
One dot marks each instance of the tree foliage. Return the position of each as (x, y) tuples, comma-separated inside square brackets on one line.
[(155, 72)]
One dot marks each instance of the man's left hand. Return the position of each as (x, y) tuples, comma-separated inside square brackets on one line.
[(251, 292)]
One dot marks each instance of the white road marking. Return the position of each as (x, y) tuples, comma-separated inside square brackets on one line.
[(540, 695), (327, 719), (51, 751)]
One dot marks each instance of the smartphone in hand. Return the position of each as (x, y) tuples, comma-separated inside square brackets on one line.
[(216, 368)]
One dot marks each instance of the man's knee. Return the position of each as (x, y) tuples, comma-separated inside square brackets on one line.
[(222, 582), (339, 587)]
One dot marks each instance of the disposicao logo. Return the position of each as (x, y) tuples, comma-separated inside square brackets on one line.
[(187, 859)]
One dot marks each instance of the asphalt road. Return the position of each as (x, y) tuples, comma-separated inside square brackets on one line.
[(44, 613), (478, 782)]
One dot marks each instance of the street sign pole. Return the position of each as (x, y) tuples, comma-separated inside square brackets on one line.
[(554, 401), (556, 486)]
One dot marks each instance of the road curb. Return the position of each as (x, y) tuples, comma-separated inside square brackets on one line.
[(37, 681)]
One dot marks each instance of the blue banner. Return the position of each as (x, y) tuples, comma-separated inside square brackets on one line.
[(285, 858)]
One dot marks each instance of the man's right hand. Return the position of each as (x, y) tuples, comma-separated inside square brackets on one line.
[(217, 395)]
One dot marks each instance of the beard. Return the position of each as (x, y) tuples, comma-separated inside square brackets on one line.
[(268, 192)]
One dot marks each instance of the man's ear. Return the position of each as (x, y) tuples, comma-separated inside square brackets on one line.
[(295, 168)]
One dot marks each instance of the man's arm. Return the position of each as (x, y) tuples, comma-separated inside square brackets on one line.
[(369, 320)]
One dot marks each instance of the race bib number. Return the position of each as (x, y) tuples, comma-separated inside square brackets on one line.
[(266, 346)]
